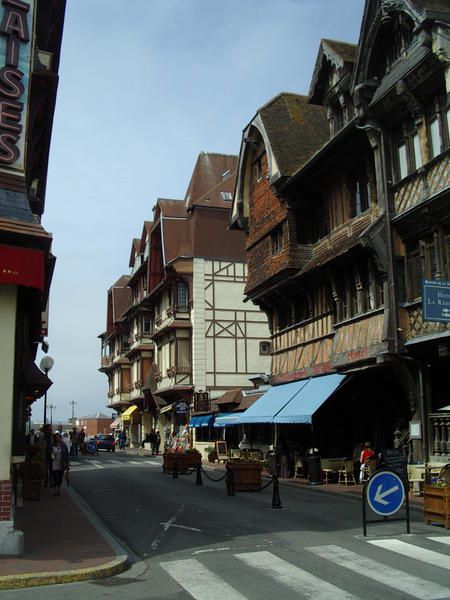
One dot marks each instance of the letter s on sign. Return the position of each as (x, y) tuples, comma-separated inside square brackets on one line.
[(9, 152), (11, 86)]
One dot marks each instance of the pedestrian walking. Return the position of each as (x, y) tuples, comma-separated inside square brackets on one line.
[(81, 440), (67, 441), (158, 441), (59, 462), (74, 440), (47, 453)]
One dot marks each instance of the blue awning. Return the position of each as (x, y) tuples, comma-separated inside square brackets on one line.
[(194, 421), (224, 419), (310, 398), (206, 421), (293, 402)]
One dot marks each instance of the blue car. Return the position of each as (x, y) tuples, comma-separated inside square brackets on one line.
[(105, 442)]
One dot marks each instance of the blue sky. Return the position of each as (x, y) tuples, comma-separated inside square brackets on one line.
[(145, 85)]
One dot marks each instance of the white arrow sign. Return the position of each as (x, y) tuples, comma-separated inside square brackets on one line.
[(380, 496)]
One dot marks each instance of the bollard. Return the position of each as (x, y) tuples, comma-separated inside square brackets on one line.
[(198, 480), (230, 482), (276, 501), (175, 470)]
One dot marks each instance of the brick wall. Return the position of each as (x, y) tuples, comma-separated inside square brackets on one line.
[(5, 500), (266, 212)]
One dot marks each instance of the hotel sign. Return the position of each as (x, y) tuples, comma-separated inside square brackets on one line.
[(16, 32), (436, 301)]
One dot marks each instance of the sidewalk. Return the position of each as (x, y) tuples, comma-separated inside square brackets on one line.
[(64, 543)]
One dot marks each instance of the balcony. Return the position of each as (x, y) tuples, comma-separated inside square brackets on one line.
[(178, 310), (440, 434), (422, 184), (106, 361)]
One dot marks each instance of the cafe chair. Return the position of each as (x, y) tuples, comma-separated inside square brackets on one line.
[(346, 474)]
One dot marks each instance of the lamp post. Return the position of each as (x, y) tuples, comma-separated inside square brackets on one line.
[(51, 407), (46, 364)]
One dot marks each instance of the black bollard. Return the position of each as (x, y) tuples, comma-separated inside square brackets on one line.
[(230, 482), (175, 470), (198, 480), (276, 501)]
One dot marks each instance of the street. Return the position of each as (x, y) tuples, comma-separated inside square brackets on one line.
[(189, 541)]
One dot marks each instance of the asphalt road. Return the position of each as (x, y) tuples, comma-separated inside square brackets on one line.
[(196, 542)]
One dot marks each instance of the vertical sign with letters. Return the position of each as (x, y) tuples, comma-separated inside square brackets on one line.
[(16, 49)]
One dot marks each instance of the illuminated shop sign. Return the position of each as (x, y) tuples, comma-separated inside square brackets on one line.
[(16, 28)]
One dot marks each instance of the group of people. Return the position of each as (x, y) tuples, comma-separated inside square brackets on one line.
[(54, 451), (154, 439)]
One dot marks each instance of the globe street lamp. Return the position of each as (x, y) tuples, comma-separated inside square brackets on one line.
[(46, 364)]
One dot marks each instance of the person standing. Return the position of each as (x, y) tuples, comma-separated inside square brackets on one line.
[(48, 440), (74, 440), (81, 438), (158, 441), (122, 439), (365, 455), (153, 439), (59, 462)]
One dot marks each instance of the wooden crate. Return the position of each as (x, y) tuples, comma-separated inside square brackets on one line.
[(185, 462), (247, 474), (436, 505)]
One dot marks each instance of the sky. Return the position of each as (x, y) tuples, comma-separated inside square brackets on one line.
[(145, 86)]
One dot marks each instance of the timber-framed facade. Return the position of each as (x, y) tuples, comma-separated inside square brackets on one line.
[(344, 219)]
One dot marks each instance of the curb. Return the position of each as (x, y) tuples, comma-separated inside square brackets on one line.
[(25, 580)]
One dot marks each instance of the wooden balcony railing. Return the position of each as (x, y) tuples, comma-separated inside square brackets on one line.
[(440, 427), (106, 361)]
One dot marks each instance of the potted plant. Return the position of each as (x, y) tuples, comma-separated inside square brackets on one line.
[(211, 453), (185, 460), (436, 496)]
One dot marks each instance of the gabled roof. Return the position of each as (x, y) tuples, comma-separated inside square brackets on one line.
[(98, 415), (340, 54), (121, 297), (209, 170), (214, 198), (295, 129), (135, 250)]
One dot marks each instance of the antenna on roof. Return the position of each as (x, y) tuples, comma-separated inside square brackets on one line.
[(226, 174)]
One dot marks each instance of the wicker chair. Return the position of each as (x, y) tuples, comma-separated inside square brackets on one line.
[(346, 473)]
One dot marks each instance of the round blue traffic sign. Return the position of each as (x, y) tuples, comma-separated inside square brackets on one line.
[(385, 493)]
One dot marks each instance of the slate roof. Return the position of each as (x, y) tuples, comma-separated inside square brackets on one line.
[(345, 50), (295, 128)]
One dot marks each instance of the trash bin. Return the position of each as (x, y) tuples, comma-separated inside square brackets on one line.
[(273, 467), (314, 469)]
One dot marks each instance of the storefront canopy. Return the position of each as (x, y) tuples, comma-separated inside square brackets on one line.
[(224, 419), (294, 402), (126, 415), (309, 398), (201, 421), (115, 423)]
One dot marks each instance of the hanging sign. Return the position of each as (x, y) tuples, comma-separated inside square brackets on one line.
[(436, 301)]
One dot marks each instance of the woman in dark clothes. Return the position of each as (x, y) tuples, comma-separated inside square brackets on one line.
[(60, 461)]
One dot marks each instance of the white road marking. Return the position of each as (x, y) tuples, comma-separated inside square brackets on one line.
[(428, 556), (200, 582), (172, 519), (210, 550), (74, 462), (154, 464), (96, 464), (180, 527), (440, 539), (394, 578), (299, 581), (115, 462), (134, 462)]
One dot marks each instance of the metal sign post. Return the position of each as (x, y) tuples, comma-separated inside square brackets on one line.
[(385, 493)]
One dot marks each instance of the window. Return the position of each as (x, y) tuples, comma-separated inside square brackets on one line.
[(276, 237), (438, 120), (407, 151), (360, 195), (226, 196), (414, 273), (257, 171), (264, 348), (147, 325), (182, 295), (183, 355)]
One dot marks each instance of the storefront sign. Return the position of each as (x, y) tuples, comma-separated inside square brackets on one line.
[(436, 301), (182, 408), (22, 266), (16, 28), (201, 402)]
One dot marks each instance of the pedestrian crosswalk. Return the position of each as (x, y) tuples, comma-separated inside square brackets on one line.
[(375, 578), (104, 463)]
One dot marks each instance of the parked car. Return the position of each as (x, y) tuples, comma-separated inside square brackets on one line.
[(105, 442)]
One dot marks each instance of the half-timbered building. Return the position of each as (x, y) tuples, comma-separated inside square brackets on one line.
[(344, 218)]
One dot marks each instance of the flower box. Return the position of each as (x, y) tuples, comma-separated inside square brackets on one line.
[(436, 505), (185, 461), (247, 475)]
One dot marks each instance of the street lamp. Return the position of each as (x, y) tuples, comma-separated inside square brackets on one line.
[(51, 407), (46, 364)]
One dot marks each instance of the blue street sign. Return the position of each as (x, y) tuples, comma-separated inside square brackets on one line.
[(436, 301), (385, 493)]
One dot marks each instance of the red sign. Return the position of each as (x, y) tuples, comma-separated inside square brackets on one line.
[(22, 266)]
